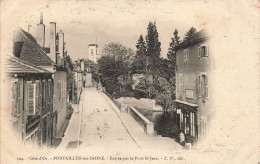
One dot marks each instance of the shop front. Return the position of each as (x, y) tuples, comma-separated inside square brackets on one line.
[(187, 123)]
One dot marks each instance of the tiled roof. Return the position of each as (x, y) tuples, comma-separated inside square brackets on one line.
[(31, 51), (15, 65), (196, 38)]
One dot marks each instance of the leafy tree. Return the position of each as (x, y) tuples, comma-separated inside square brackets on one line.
[(166, 93), (190, 33), (115, 66), (93, 68)]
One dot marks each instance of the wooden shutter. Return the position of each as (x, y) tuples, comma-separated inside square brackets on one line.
[(181, 83), (59, 90), (199, 86), (37, 96), (43, 92), (31, 95), (199, 54), (206, 87), (206, 51), (14, 98)]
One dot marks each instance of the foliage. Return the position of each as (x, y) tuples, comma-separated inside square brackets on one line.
[(152, 41), (166, 93), (190, 33), (70, 76), (93, 68), (141, 60), (153, 45), (115, 65), (172, 49)]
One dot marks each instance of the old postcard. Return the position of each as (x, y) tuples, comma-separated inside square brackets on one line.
[(121, 81)]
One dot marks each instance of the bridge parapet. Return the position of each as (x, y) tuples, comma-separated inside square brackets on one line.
[(147, 125)]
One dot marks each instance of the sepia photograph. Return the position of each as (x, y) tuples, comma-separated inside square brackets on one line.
[(130, 81)]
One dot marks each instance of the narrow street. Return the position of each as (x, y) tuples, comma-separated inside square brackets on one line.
[(96, 124), (101, 127)]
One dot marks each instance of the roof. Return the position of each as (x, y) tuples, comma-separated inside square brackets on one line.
[(31, 51), (196, 38), (93, 45), (14, 65), (46, 50), (186, 103)]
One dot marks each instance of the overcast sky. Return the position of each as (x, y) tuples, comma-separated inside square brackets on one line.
[(109, 21)]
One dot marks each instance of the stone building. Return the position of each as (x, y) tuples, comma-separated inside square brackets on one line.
[(194, 64)]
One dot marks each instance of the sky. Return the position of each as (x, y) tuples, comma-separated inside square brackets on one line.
[(87, 22)]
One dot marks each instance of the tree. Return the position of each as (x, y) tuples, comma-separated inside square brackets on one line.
[(166, 93), (141, 46), (115, 67), (190, 33), (70, 76), (172, 49), (152, 41), (141, 61), (93, 68)]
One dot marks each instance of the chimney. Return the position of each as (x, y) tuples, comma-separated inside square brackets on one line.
[(41, 32), (61, 44), (18, 48), (82, 65), (53, 42)]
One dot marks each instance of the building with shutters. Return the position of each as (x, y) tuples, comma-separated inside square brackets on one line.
[(52, 59), (55, 52), (194, 65), (31, 99)]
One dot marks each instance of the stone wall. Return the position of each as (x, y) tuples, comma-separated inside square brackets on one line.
[(147, 125), (141, 103)]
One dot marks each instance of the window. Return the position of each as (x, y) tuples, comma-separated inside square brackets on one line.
[(15, 97), (186, 55), (180, 83), (92, 51), (203, 51), (31, 99), (203, 126), (203, 86)]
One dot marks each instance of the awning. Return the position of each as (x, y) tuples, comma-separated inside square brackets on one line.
[(186, 103)]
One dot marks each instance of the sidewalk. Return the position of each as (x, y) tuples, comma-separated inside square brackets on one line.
[(71, 135), (139, 136)]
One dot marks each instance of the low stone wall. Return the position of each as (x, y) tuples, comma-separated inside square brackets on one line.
[(141, 103), (147, 125), (112, 99)]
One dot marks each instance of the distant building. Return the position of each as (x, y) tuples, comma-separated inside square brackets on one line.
[(79, 77), (93, 52), (89, 80), (193, 80)]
